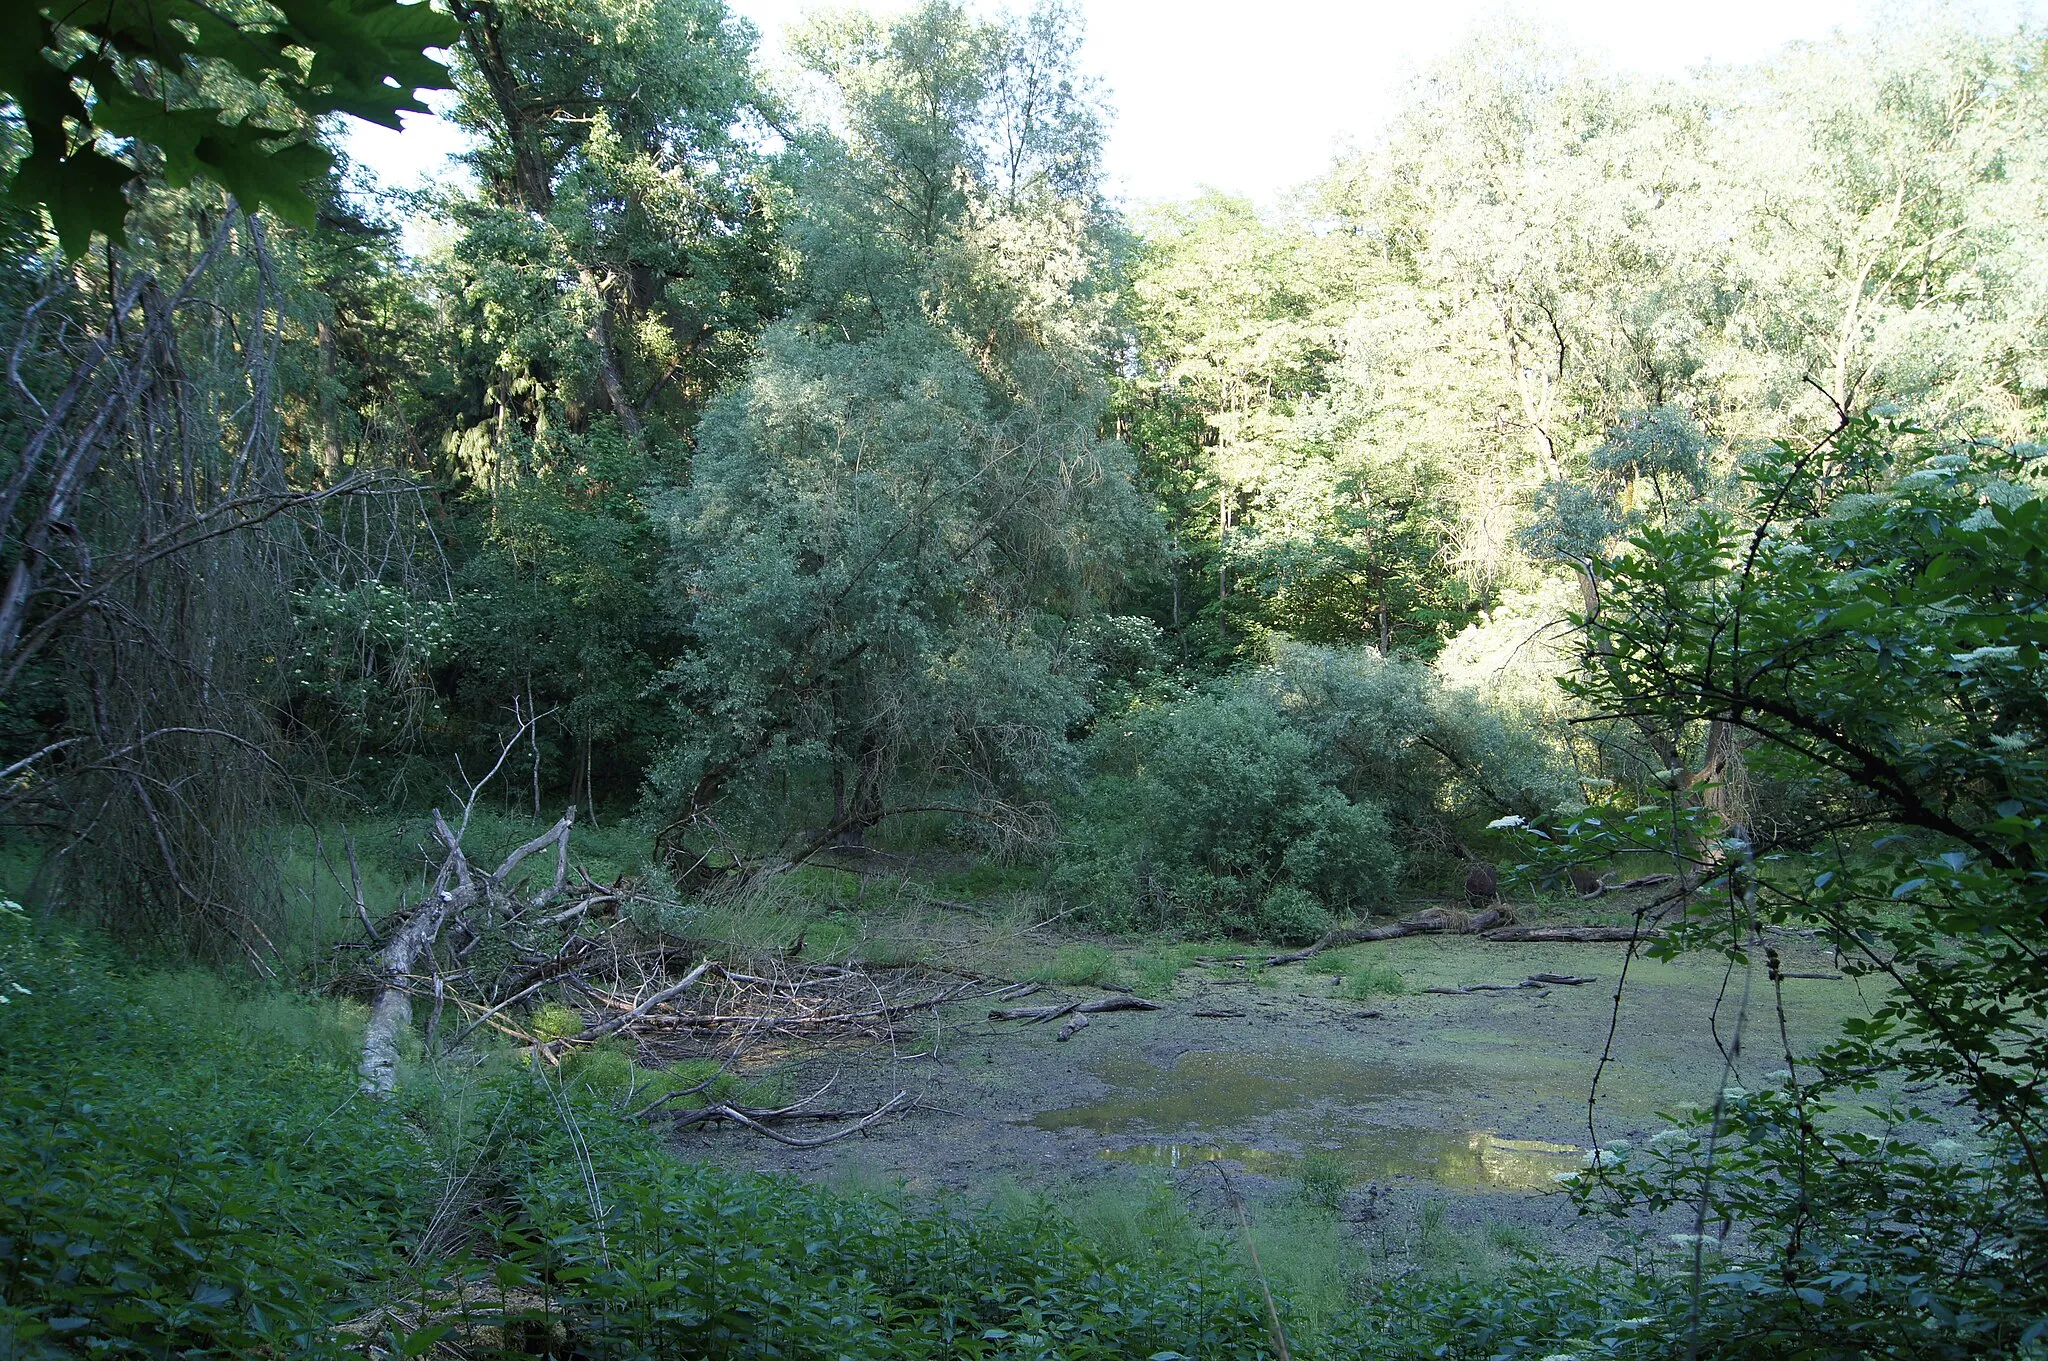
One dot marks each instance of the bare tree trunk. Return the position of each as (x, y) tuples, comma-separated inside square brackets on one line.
[(330, 419), (391, 1014)]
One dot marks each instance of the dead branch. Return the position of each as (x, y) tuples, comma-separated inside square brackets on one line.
[(1033, 1015), (739, 1116), (606, 1027), (1534, 980), (1435, 921)]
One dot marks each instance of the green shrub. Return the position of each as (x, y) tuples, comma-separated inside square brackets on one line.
[(1203, 808), (1290, 913)]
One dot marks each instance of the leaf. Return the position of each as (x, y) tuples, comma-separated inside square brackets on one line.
[(240, 162), (82, 193), (420, 1341), (212, 1293)]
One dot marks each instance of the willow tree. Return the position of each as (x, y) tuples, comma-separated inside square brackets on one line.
[(910, 482)]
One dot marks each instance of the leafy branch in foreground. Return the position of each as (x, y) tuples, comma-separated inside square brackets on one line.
[(158, 75), (1877, 632)]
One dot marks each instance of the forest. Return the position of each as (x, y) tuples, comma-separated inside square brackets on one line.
[(550, 723)]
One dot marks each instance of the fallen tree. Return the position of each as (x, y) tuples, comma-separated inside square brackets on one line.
[(1534, 980), (458, 889), (1435, 921)]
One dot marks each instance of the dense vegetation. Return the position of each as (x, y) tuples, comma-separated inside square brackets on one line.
[(1593, 469)]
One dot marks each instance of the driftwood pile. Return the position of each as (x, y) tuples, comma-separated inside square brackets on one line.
[(482, 946)]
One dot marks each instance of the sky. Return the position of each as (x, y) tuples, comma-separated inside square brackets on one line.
[(1256, 96)]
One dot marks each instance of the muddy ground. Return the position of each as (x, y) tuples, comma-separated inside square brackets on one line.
[(1475, 1100)]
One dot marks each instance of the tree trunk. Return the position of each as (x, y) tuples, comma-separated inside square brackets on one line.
[(330, 419), (391, 1014), (607, 357)]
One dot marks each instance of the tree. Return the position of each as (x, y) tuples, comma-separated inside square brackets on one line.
[(911, 481), (621, 257)]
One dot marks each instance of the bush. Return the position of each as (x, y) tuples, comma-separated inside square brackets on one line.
[(1213, 813)]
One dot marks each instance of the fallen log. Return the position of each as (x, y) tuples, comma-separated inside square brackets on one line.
[(757, 1121), (1033, 1015), (1534, 980), (392, 1011), (1532, 935), (1218, 1015), (1074, 1026), (1436, 921)]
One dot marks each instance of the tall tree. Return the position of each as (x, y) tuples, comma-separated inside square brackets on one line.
[(912, 475)]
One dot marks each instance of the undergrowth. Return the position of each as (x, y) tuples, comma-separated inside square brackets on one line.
[(188, 1171)]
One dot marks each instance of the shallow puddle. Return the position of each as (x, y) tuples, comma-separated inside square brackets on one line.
[(1467, 1159), (1210, 1088)]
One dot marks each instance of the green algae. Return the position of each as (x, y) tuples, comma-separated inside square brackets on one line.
[(1216, 1088), (1473, 1160)]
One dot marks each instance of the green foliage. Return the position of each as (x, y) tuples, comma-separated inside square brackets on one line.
[(1883, 650), (1366, 978), (180, 1176), (1208, 813), (223, 94), (1324, 1179), (1825, 1260), (172, 1180), (894, 509)]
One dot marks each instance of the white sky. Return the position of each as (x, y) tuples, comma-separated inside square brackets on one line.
[(1254, 96)]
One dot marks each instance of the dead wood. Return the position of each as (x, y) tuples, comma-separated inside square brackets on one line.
[(1528, 936), (1218, 1015), (1534, 980), (1074, 1026), (1032, 1015), (758, 1121), (667, 994), (392, 1011), (1435, 921)]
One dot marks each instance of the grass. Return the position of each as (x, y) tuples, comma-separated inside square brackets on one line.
[(1364, 976), (1082, 964)]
